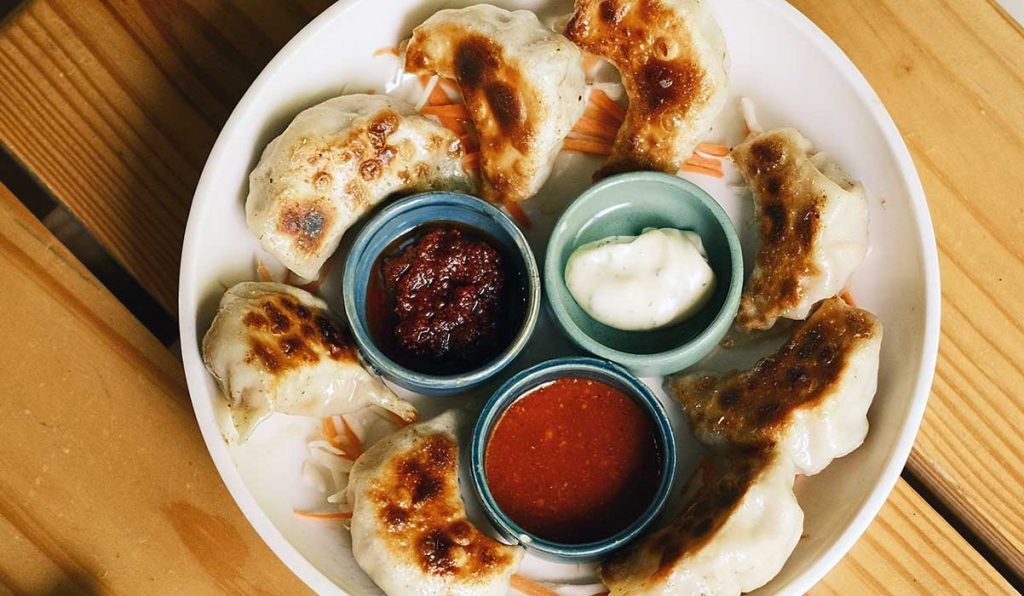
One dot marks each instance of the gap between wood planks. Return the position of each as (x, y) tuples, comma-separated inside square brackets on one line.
[(964, 530), (77, 238)]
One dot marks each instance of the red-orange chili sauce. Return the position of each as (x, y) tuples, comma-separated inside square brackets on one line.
[(573, 461)]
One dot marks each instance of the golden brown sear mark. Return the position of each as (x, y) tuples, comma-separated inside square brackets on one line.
[(495, 94), (752, 407), (662, 75), (724, 481), (419, 504), (380, 127), (788, 225), (286, 334), (305, 224)]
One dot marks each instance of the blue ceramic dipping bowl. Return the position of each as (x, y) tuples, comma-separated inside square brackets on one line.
[(522, 383), (624, 205), (396, 221)]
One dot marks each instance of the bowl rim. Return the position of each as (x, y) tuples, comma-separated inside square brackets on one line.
[(524, 382), (691, 350), (406, 377), (189, 295)]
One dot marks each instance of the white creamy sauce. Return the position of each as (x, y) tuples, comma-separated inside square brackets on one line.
[(635, 283)]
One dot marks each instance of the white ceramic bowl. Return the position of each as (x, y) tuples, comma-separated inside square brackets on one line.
[(798, 78)]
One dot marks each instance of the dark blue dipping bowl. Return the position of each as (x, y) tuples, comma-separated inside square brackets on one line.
[(397, 221), (589, 368)]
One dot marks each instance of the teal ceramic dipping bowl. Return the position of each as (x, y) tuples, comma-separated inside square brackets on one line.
[(625, 205)]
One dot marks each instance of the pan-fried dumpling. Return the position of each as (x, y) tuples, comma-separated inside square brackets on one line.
[(333, 163), (410, 533), (736, 530), (522, 83), (672, 58), (812, 220), (276, 348), (810, 399)]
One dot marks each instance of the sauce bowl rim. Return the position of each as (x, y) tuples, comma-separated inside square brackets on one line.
[(525, 381), (693, 349), (358, 255)]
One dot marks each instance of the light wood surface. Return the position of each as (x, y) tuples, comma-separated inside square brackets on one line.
[(910, 549), (114, 105), (105, 483)]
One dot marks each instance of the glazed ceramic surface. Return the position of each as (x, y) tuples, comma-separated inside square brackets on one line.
[(626, 205)]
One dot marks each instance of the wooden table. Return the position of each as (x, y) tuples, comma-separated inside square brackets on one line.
[(110, 107)]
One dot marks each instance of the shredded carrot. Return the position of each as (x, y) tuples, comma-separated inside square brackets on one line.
[(593, 127), (437, 95), (452, 110), (386, 52), (587, 146), (848, 298), (687, 167), (471, 161), (355, 446), (530, 587), (597, 113), (314, 515), (455, 125), (518, 215), (328, 430), (713, 149), (601, 99), (450, 87), (705, 162)]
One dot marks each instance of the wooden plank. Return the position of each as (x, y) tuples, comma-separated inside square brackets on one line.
[(115, 105), (951, 72), (105, 483), (910, 549)]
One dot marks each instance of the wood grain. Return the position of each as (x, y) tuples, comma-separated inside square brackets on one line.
[(909, 549), (105, 483), (114, 106), (951, 72)]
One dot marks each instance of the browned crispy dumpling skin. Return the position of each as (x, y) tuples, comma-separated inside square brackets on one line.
[(736, 529), (812, 222), (333, 163), (522, 83), (810, 399), (276, 348), (672, 58), (410, 533)]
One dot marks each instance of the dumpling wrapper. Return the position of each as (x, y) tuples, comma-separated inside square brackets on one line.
[(276, 348), (334, 162), (410, 533), (674, 65), (812, 221), (523, 85), (810, 399), (738, 526)]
